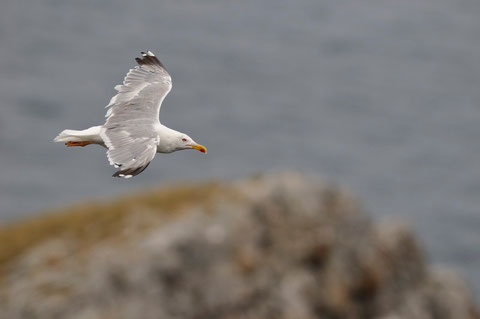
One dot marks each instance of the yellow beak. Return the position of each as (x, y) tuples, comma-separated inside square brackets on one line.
[(199, 147)]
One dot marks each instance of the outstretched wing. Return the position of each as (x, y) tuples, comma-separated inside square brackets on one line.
[(129, 132)]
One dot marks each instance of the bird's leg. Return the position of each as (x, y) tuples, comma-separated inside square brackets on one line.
[(83, 143)]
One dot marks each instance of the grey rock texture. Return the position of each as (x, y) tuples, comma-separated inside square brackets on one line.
[(275, 247)]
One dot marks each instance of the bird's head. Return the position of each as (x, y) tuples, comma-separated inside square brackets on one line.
[(185, 142)]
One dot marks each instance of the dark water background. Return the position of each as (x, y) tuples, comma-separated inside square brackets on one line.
[(382, 97)]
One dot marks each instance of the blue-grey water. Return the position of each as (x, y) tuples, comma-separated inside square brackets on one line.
[(382, 97)]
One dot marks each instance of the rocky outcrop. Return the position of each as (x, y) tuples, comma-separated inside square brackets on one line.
[(266, 247)]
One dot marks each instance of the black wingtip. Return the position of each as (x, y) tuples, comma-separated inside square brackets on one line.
[(148, 58), (130, 172)]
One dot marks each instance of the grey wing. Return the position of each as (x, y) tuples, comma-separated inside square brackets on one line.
[(130, 129)]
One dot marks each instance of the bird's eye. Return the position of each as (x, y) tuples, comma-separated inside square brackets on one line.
[(184, 139)]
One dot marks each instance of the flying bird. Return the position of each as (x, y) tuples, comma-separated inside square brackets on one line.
[(132, 132)]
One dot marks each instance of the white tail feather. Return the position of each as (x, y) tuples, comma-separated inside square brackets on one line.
[(90, 134)]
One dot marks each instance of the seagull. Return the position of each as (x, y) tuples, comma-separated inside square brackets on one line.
[(132, 132)]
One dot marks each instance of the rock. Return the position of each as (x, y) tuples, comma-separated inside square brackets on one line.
[(278, 246)]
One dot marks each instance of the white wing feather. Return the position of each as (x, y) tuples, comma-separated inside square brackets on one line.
[(132, 118)]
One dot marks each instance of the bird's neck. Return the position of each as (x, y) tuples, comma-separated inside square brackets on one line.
[(168, 139), (167, 132)]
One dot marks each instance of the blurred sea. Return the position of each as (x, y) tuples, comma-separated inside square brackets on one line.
[(382, 97)]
